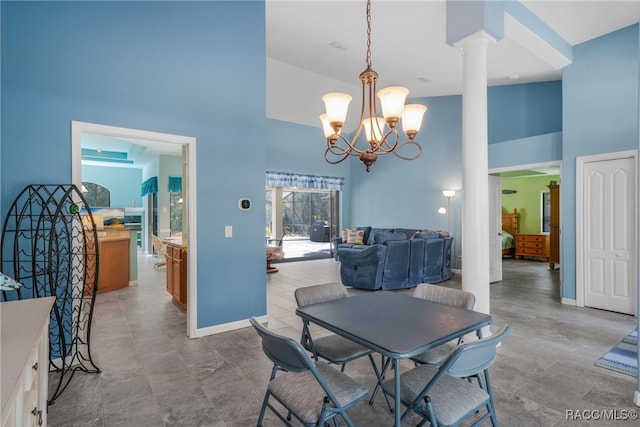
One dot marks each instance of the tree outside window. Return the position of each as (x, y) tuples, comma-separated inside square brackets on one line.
[(175, 213)]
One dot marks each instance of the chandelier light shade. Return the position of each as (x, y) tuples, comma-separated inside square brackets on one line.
[(412, 118), (381, 133)]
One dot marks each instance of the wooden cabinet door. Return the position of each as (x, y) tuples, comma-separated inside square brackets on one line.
[(177, 273)]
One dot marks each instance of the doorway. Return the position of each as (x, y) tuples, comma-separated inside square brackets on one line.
[(521, 188), (187, 146)]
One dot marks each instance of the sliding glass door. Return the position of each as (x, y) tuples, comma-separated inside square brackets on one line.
[(308, 221)]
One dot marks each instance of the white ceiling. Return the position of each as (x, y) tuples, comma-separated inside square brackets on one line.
[(408, 48)]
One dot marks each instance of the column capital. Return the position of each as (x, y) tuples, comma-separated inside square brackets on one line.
[(479, 38)]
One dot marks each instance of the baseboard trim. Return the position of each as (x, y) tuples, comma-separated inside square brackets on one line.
[(227, 327), (567, 301)]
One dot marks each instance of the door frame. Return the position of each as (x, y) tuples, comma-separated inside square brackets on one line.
[(189, 149), (533, 166), (580, 256)]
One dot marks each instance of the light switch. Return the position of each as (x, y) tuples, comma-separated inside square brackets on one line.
[(228, 231)]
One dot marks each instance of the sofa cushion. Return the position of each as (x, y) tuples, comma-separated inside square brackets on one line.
[(427, 234), (383, 236), (408, 232), (373, 232)]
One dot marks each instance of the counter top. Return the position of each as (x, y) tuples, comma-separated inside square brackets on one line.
[(174, 241), (112, 239), (20, 323)]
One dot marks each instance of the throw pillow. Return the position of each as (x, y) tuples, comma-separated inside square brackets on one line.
[(355, 236), (345, 235)]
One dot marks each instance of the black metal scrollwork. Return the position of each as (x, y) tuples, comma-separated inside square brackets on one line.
[(50, 246)]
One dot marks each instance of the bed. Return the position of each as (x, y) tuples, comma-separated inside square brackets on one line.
[(509, 231)]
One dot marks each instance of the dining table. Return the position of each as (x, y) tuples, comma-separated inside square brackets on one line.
[(396, 325)]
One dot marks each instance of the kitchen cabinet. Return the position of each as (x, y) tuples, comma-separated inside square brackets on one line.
[(177, 272)]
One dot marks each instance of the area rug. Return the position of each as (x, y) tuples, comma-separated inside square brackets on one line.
[(622, 358)]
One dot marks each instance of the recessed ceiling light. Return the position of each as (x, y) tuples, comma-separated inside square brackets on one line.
[(424, 79), (337, 45), (514, 77)]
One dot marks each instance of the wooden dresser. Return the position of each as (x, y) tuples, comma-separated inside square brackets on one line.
[(532, 245), (177, 272)]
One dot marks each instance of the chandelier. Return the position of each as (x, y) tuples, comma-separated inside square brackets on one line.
[(381, 132)]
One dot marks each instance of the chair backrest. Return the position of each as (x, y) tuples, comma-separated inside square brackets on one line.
[(320, 293), (474, 357), (283, 351), (444, 295), (158, 245)]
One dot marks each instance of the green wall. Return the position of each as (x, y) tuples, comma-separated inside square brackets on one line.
[(527, 200)]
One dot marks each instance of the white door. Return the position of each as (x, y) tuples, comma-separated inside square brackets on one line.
[(609, 242), (495, 228)]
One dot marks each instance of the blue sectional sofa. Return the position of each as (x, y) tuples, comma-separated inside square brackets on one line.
[(394, 258)]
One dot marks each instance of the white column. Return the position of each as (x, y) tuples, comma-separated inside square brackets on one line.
[(475, 171)]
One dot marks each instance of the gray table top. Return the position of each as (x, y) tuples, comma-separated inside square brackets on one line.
[(396, 325)]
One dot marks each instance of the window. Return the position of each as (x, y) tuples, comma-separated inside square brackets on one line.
[(175, 213), (96, 195), (545, 214), (300, 210)]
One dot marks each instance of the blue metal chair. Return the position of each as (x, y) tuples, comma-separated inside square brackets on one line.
[(443, 295), (313, 392), (333, 348), (455, 390)]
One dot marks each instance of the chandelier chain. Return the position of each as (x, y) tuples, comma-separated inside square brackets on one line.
[(368, 33)]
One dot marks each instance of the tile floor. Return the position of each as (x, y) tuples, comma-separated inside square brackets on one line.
[(153, 375)]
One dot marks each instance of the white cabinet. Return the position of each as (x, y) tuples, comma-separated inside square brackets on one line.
[(24, 362)]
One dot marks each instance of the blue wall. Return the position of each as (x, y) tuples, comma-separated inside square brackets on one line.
[(170, 67), (409, 193), (400, 193), (122, 183), (600, 115), (538, 110), (526, 151)]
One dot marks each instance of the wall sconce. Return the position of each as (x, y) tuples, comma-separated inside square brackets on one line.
[(448, 194)]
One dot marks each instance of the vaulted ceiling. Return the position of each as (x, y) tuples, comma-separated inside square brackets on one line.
[(318, 46)]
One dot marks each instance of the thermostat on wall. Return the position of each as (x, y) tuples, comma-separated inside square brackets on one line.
[(244, 204)]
